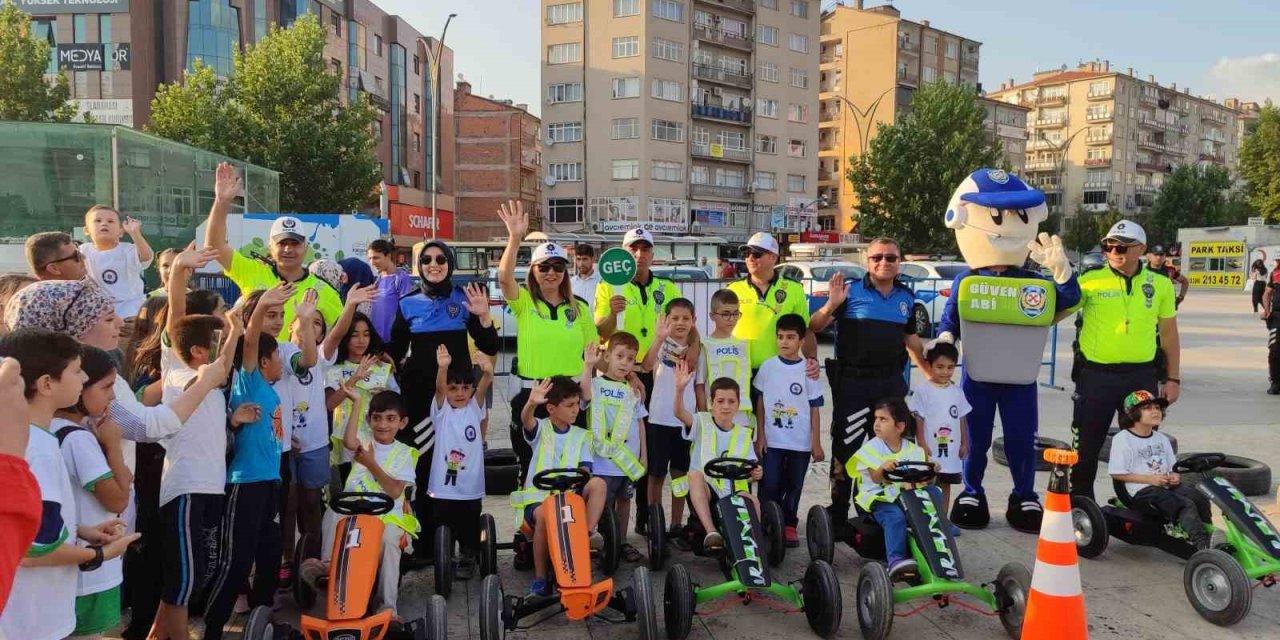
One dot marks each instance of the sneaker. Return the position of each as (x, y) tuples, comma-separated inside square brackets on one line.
[(954, 531), (903, 569), (242, 604), (596, 541), (540, 587), (713, 541), (791, 536), (1274, 390), (678, 538)]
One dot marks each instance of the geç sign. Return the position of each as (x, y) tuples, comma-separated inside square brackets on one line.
[(49, 7)]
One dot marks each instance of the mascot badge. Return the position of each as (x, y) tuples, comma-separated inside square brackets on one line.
[(1002, 313)]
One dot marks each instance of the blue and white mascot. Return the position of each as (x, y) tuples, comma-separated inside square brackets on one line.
[(1003, 314)]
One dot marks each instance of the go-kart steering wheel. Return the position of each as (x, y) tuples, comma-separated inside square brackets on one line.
[(359, 503), (727, 468), (1199, 462), (911, 471), (561, 479)]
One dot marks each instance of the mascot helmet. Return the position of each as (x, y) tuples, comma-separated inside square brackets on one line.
[(995, 215)]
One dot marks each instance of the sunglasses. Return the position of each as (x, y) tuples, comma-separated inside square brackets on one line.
[(1117, 247), (440, 260), (75, 255), (884, 257), (754, 254), (556, 266)]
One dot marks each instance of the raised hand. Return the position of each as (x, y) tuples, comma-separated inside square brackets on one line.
[(513, 215), (538, 394), (227, 183), (1048, 252), (591, 355), (132, 225), (683, 374), (477, 299), (662, 329), (443, 358), (14, 422), (192, 258), (837, 292), (307, 307), (485, 364), (359, 295), (366, 365), (278, 295)]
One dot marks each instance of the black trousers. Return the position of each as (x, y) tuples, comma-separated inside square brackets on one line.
[(1182, 504), (424, 507), (250, 538), (1098, 399), (1273, 346), (1259, 288), (143, 577), (851, 422), (463, 519), (642, 486)]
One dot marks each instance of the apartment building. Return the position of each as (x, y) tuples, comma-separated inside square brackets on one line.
[(871, 61), (499, 159), (681, 116), (1102, 138), (1006, 126), (1247, 114)]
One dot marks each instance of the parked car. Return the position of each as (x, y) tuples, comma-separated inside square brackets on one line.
[(814, 276)]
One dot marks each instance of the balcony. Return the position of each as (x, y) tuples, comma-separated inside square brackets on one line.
[(1097, 185), (722, 76), (1174, 150), (1098, 116), (1098, 139), (745, 6), (1052, 123), (1147, 121), (722, 114), (717, 191), (1101, 94), (1156, 167), (969, 62), (1049, 187), (1097, 162), (719, 152), (1149, 144), (1042, 165), (704, 33), (829, 61), (908, 46), (825, 178), (1208, 117), (908, 77), (1145, 188), (1043, 144), (1049, 101), (1148, 98), (1213, 157)]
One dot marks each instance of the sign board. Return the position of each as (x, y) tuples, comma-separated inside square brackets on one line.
[(710, 217), (616, 266), (93, 56), (1009, 131), (1216, 279), (653, 227), (117, 112), (1217, 264), (717, 150), (1217, 249), (51, 7), (409, 220), (1257, 221), (828, 237)]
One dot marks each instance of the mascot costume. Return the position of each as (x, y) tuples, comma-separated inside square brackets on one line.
[(1003, 314)]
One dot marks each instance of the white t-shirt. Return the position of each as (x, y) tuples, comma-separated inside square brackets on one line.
[(457, 465), (1134, 454), (723, 440), (195, 457), (42, 604), (119, 271), (662, 403), (942, 408), (86, 466), (605, 466), (302, 397), (585, 459), (585, 288), (788, 394)]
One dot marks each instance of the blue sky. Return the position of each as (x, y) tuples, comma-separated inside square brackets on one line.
[(1222, 48)]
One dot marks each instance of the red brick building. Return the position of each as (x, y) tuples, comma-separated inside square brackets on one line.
[(498, 156)]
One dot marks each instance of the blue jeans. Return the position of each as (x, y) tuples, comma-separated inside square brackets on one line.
[(893, 520), (783, 481), (1019, 417)]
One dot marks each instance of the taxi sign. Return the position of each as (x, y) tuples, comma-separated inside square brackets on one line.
[(616, 266)]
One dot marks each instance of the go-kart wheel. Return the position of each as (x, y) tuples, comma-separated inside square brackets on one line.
[(437, 618), (488, 545), (418, 628), (677, 603), (304, 595), (1013, 583), (822, 605), (646, 614), (492, 626), (657, 537), (875, 601), (1090, 527), (1217, 587), (259, 626), (611, 554), (444, 561), (772, 520), (820, 534)]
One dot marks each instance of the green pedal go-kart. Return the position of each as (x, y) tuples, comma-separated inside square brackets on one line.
[(746, 572), (1218, 581)]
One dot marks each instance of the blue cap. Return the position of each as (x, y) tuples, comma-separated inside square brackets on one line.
[(999, 189)]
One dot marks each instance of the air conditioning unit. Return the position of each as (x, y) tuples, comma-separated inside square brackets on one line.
[(549, 141), (696, 227), (715, 91), (550, 100), (550, 180), (751, 188), (595, 226)]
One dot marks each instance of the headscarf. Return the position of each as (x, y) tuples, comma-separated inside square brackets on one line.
[(327, 270), (358, 273), (444, 288), (71, 307)]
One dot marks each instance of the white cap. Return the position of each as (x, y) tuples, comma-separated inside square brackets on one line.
[(637, 235), (548, 251), (1128, 232), (764, 242), (287, 227)]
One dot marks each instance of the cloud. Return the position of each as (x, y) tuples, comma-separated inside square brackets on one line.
[(1249, 77)]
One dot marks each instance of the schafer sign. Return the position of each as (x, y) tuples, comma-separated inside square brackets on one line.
[(47, 7), (93, 57)]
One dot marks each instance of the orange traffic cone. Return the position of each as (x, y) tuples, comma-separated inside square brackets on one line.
[(1055, 606)]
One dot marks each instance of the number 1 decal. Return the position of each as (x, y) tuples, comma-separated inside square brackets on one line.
[(353, 538), (566, 514)]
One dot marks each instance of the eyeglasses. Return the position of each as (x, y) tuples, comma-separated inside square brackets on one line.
[(884, 257), (754, 254), (556, 266), (729, 315), (1116, 247), (440, 260), (75, 255)]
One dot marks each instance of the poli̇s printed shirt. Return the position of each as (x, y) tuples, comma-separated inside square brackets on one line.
[(941, 408), (381, 377), (457, 465), (258, 444), (787, 394), (605, 466), (585, 459)]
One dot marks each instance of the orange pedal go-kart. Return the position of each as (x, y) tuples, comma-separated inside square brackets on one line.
[(565, 513)]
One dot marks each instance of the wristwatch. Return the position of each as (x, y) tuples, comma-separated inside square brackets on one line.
[(96, 561), (1177, 381)]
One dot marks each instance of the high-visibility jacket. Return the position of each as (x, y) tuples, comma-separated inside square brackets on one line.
[(729, 358), (614, 403), (543, 459), (870, 457), (402, 457), (704, 450)]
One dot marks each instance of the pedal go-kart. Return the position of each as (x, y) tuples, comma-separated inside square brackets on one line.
[(351, 584), (772, 525), (565, 515), (940, 573), (1219, 582), (742, 560)]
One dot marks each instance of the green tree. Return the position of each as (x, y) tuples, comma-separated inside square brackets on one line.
[(905, 180), (282, 109), (1084, 229), (1260, 164), (1191, 196), (25, 95)]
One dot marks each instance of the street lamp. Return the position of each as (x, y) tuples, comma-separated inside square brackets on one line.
[(864, 118), (1061, 150), (435, 121)]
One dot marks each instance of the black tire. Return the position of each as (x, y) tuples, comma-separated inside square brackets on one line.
[(920, 316), (611, 554), (1217, 587), (438, 618), (772, 521), (501, 472), (488, 545), (1090, 527), (1104, 455), (822, 604), (420, 629), (444, 561), (1014, 583), (259, 625), (819, 534), (1042, 443), (1251, 477), (657, 537), (646, 610), (677, 603), (875, 601), (492, 627), (303, 594)]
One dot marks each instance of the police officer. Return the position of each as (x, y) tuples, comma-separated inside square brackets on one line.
[(763, 297), (1123, 307), (1158, 261), (875, 334), (1271, 315)]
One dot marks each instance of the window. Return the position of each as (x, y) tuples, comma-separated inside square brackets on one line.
[(378, 85), (564, 13), (795, 183), (566, 92), (767, 35), (767, 107), (799, 43), (930, 74), (949, 77), (768, 71), (417, 179), (417, 66), (667, 210), (800, 78), (617, 208), (626, 128), (798, 113), (666, 90), (335, 20), (796, 148), (667, 171), (931, 46), (564, 210), (566, 171), (1095, 197), (622, 8), (952, 49), (336, 66), (626, 169), (800, 8), (105, 83), (731, 178), (703, 19), (417, 103), (626, 88), (213, 35), (668, 130), (769, 4), (627, 47), (668, 10), (667, 50), (377, 45), (564, 53), (766, 181), (735, 140), (565, 132), (699, 175), (417, 142), (766, 144)]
